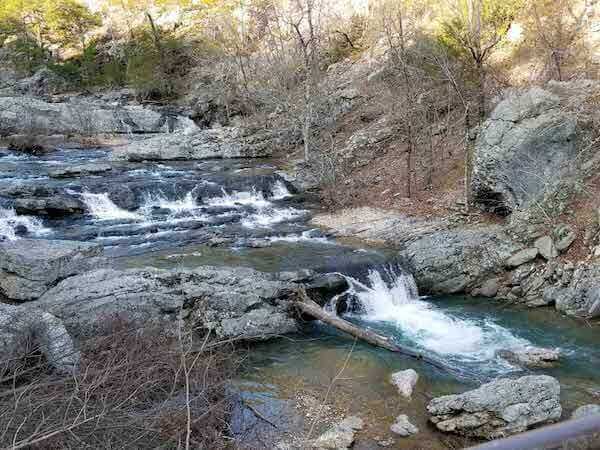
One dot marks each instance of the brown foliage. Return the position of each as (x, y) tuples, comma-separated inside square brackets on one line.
[(134, 389)]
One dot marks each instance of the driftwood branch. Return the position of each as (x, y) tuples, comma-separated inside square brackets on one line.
[(311, 308)]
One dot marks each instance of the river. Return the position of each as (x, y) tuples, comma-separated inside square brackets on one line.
[(244, 213)]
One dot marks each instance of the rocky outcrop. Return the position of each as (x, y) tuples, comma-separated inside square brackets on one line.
[(443, 258), (500, 408), (232, 302), (54, 207), (225, 142), (28, 268), (24, 331), (579, 294), (526, 148), (83, 117)]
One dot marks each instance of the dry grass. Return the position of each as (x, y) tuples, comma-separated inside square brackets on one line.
[(134, 389)]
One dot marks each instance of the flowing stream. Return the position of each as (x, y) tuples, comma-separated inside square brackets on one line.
[(189, 213)]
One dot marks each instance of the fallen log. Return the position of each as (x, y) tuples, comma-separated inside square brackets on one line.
[(311, 308)]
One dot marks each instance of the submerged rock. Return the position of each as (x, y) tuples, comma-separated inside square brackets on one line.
[(532, 356), (405, 381), (225, 142), (586, 410), (500, 408), (79, 170), (28, 268), (232, 302), (340, 436), (24, 330), (403, 427)]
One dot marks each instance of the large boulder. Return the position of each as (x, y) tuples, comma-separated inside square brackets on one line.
[(232, 302), (500, 408), (84, 117), (43, 82), (29, 267), (225, 142), (24, 331), (527, 146)]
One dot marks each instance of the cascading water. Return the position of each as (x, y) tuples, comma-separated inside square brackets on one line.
[(388, 300), (10, 223), (103, 208)]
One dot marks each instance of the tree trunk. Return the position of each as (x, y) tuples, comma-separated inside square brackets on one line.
[(468, 162), (481, 89), (161, 53)]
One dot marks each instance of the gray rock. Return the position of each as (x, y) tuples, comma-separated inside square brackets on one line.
[(405, 381), (564, 236), (340, 436), (225, 142), (500, 408), (522, 257), (83, 117), (232, 302), (581, 298), (79, 170), (55, 207), (532, 357), (523, 150), (586, 410), (25, 330), (43, 82), (489, 288), (545, 246), (28, 268), (403, 427)]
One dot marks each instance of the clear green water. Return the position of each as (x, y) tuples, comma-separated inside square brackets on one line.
[(282, 373)]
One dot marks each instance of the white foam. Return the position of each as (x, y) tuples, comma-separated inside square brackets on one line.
[(9, 220), (306, 236), (280, 191), (397, 303), (268, 216), (103, 208), (185, 205), (252, 198)]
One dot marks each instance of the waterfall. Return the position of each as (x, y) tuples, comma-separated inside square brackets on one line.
[(389, 298), (103, 208), (9, 221), (187, 204), (280, 191)]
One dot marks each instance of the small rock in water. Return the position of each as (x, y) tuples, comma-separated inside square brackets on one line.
[(531, 356), (382, 442), (405, 381), (586, 410), (341, 436), (403, 427)]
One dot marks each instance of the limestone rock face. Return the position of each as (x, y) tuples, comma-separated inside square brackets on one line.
[(84, 117), (225, 142), (30, 267), (500, 408), (523, 150), (232, 302), (581, 296)]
